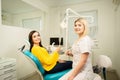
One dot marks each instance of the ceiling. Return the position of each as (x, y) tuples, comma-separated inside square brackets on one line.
[(18, 6), (54, 3)]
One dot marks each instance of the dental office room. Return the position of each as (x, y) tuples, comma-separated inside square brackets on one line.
[(54, 20)]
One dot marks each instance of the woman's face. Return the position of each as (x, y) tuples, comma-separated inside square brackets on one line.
[(36, 38), (79, 28)]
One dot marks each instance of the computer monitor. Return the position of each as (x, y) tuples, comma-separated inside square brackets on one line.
[(55, 40)]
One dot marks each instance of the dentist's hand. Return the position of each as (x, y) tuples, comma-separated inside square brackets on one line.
[(70, 78), (69, 53)]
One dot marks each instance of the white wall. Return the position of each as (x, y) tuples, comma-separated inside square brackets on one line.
[(117, 40)]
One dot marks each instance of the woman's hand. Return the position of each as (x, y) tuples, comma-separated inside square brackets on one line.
[(58, 48), (61, 61)]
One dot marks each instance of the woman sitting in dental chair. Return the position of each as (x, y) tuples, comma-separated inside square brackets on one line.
[(50, 62)]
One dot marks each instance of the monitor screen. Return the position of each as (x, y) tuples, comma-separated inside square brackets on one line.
[(55, 40)]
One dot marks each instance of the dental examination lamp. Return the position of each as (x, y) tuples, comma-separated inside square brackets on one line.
[(64, 24)]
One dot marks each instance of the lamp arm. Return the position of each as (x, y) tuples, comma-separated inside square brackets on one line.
[(69, 9), (64, 23)]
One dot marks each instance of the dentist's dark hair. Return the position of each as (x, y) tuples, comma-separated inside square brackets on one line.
[(31, 41)]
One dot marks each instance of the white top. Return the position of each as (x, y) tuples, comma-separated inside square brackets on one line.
[(82, 46)]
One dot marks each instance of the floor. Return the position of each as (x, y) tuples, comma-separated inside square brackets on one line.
[(111, 75), (35, 76)]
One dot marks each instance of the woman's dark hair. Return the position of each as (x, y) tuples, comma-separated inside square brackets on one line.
[(31, 41)]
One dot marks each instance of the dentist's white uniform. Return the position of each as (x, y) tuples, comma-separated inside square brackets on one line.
[(82, 46)]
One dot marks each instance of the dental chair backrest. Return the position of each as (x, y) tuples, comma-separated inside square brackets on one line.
[(35, 60)]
